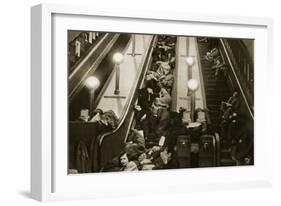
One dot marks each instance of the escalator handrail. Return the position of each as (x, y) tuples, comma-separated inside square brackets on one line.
[(218, 149), (237, 80), (123, 117), (214, 151)]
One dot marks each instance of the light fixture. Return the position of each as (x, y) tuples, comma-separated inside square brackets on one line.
[(118, 58), (92, 82), (192, 85), (190, 61)]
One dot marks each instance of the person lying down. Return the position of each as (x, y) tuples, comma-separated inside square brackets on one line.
[(136, 157)]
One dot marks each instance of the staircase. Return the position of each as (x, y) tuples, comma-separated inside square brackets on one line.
[(216, 92)]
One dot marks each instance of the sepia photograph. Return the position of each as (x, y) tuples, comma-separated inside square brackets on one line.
[(139, 102)]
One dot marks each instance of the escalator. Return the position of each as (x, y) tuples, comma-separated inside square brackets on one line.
[(193, 148), (216, 90), (240, 78), (95, 139), (110, 144), (220, 89), (188, 141), (206, 149)]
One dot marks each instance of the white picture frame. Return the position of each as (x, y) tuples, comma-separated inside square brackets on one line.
[(49, 179)]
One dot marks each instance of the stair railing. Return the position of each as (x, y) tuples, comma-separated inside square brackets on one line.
[(242, 65), (239, 76)]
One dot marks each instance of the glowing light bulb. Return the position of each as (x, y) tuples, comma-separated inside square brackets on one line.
[(92, 82), (118, 58), (192, 84), (190, 61)]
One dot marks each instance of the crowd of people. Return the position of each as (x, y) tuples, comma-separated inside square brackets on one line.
[(146, 146), (236, 136), (213, 56), (80, 148), (150, 144), (235, 130), (229, 115)]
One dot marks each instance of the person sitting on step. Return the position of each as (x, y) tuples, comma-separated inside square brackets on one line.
[(210, 55), (220, 68), (233, 102)]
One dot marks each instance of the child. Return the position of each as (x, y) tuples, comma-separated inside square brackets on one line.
[(126, 164)]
